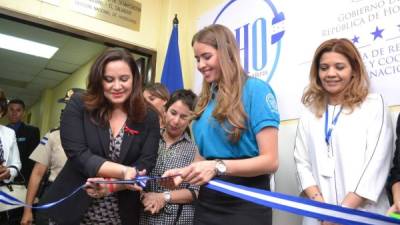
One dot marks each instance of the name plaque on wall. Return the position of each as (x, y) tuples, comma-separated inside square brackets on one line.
[(125, 13)]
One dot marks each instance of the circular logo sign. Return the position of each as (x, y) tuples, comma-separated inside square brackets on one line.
[(258, 28)]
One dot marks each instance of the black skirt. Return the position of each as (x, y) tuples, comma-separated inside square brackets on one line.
[(216, 208)]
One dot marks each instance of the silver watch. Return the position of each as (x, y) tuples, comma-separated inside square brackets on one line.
[(167, 196), (220, 167)]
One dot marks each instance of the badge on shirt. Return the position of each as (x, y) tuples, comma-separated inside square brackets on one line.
[(21, 139), (327, 167)]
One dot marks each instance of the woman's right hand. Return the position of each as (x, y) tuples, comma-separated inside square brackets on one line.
[(27, 217), (199, 173), (130, 173), (175, 178)]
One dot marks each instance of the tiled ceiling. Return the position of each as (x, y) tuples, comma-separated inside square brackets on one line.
[(25, 76)]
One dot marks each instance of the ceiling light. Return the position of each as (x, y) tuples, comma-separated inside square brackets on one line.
[(26, 46)]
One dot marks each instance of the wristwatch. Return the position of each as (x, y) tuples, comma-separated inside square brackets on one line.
[(220, 167), (167, 196)]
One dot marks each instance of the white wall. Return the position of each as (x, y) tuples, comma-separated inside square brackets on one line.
[(285, 178)]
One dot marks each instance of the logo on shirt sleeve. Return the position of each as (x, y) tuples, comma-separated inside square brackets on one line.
[(44, 141), (271, 102)]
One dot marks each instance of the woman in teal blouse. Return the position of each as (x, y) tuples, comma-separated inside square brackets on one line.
[(236, 130)]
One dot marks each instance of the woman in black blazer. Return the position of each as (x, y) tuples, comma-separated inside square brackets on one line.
[(106, 132), (394, 177)]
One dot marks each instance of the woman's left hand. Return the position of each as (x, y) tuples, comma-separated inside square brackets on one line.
[(199, 173), (153, 202), (394, 209), (96, 190)]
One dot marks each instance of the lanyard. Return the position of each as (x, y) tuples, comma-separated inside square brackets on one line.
[(328, 132)]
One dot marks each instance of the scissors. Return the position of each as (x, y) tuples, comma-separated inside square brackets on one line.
[(140, 180)]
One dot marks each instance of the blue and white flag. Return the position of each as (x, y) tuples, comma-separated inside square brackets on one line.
[(171, 75)]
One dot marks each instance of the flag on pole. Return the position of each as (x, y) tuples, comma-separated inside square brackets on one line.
[(171, 75)]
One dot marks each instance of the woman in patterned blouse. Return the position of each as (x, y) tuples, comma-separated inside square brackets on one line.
[(176, 149)]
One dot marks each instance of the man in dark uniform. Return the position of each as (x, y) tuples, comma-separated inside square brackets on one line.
[(28, 137)]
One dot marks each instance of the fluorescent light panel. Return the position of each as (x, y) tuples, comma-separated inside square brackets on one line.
[(26, 46)]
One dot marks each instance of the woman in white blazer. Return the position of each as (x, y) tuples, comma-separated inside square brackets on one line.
[(344, 139), (9, 153)]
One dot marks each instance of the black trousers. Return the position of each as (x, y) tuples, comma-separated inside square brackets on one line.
[(12, 216), (40, 216), (216, 208)]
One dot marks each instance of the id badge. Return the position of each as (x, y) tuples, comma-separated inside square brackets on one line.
[(21, 139), (328, 167)]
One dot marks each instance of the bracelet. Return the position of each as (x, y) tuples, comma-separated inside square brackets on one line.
[(194, 195), (111, 188), (314, 196)]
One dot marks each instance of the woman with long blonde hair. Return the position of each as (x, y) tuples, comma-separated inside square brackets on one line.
[(236, 130)]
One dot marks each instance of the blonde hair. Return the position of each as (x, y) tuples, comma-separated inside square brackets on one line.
[(229, 107), (356, 91)]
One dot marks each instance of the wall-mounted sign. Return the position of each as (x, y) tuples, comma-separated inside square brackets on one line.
[(53, 2), (124, 13), (277, 41)]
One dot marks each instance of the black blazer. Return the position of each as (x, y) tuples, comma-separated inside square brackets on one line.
[(86, 145), (28, 138), (394, 175)]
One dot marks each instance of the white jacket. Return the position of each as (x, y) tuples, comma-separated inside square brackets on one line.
[(11, 152), (358, 157)]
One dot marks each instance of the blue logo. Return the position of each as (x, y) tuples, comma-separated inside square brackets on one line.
[(258, 28), (270, 99)]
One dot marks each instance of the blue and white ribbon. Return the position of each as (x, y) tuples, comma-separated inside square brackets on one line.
[(292, 204), (140, 180), (302, 206), (10, 200)]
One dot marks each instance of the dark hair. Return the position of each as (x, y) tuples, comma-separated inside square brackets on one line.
[(158, 90), (186, 96), (3, 103), (96, 103), (18, 102)]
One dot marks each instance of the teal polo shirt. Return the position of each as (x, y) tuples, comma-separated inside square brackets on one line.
[(260, 105)]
